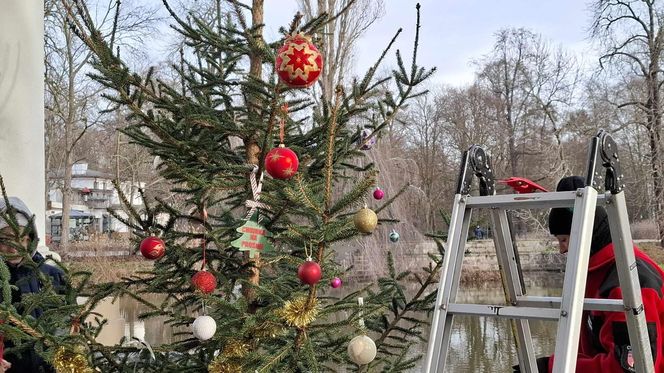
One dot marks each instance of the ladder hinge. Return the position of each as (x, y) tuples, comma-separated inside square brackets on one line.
[(637, 310)]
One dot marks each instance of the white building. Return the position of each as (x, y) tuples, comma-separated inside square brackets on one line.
[(92, 195)]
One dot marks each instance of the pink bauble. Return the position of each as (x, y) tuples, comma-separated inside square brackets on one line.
[(378, 193), (336, 282)]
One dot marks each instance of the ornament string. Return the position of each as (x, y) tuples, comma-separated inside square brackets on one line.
[(256, 186), (282, 123), (360, 302), (308, 252), (204, 213)]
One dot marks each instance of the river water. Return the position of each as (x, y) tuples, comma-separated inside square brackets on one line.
[(477, 345)]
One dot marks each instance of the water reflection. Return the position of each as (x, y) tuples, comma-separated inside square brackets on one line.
[(123, 322), (486, 344), (477, 344)]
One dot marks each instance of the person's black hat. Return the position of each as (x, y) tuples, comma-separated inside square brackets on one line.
[(560, 218)]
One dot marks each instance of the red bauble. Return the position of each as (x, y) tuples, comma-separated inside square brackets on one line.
[(298, 62), (281, 163), (309, 272), (204, 281), (153, 248)]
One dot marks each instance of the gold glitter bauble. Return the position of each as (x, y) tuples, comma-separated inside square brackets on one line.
[(68, 360), (298, 312), (218, 365), (365, 220)]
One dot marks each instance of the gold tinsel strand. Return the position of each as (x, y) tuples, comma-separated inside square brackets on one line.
[(218, 365), (298, 312), (267, 329), (67, 360), (235, 348)]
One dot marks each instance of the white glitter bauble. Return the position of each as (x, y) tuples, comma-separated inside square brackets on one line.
[(204, 327), (362, 350)]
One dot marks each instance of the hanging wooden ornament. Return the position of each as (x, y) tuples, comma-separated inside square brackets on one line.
[(254, 236)]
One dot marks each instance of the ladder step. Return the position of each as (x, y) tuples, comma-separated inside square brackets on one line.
[(525, 200), (509, 312), (589, 304)]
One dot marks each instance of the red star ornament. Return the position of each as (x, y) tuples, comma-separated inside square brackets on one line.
[(281, 163), (298, 62)]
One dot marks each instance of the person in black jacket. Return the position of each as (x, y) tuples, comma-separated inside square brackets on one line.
[(18, 244)]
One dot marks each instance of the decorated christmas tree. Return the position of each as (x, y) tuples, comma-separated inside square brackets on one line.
[(245, 266)]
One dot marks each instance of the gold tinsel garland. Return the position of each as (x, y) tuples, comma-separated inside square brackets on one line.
[(299, 312), (235, 348), (218, 365), (67, 360), (268, 329)]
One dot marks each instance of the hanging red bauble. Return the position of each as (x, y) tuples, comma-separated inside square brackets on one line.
[(298, 62), (153, 247), (281, 163), (309, 272), (204, 281)]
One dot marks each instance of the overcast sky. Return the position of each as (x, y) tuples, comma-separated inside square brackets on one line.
[(455, 32)]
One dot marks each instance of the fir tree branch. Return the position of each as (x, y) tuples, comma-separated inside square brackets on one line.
[(331, 135), (431, 278)]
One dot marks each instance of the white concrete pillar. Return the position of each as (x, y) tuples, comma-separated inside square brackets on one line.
[(22, 103)]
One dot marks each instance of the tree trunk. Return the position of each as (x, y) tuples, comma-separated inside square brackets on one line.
[(66, 202), (69, 141), (252, 149), (654, 137)]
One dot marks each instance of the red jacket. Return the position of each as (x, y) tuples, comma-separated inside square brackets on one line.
[(604, 341)]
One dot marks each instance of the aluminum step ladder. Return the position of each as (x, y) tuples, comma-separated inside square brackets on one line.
[(519, 307)]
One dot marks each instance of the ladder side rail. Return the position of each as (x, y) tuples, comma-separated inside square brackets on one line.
[(455, 238), (629, 283), (453, 291), (574, 285), (512, 278)]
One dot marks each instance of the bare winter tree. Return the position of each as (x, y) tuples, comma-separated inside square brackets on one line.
[(533, 88), (423, 125), (349, 19), (631, 34), (72, 105)]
